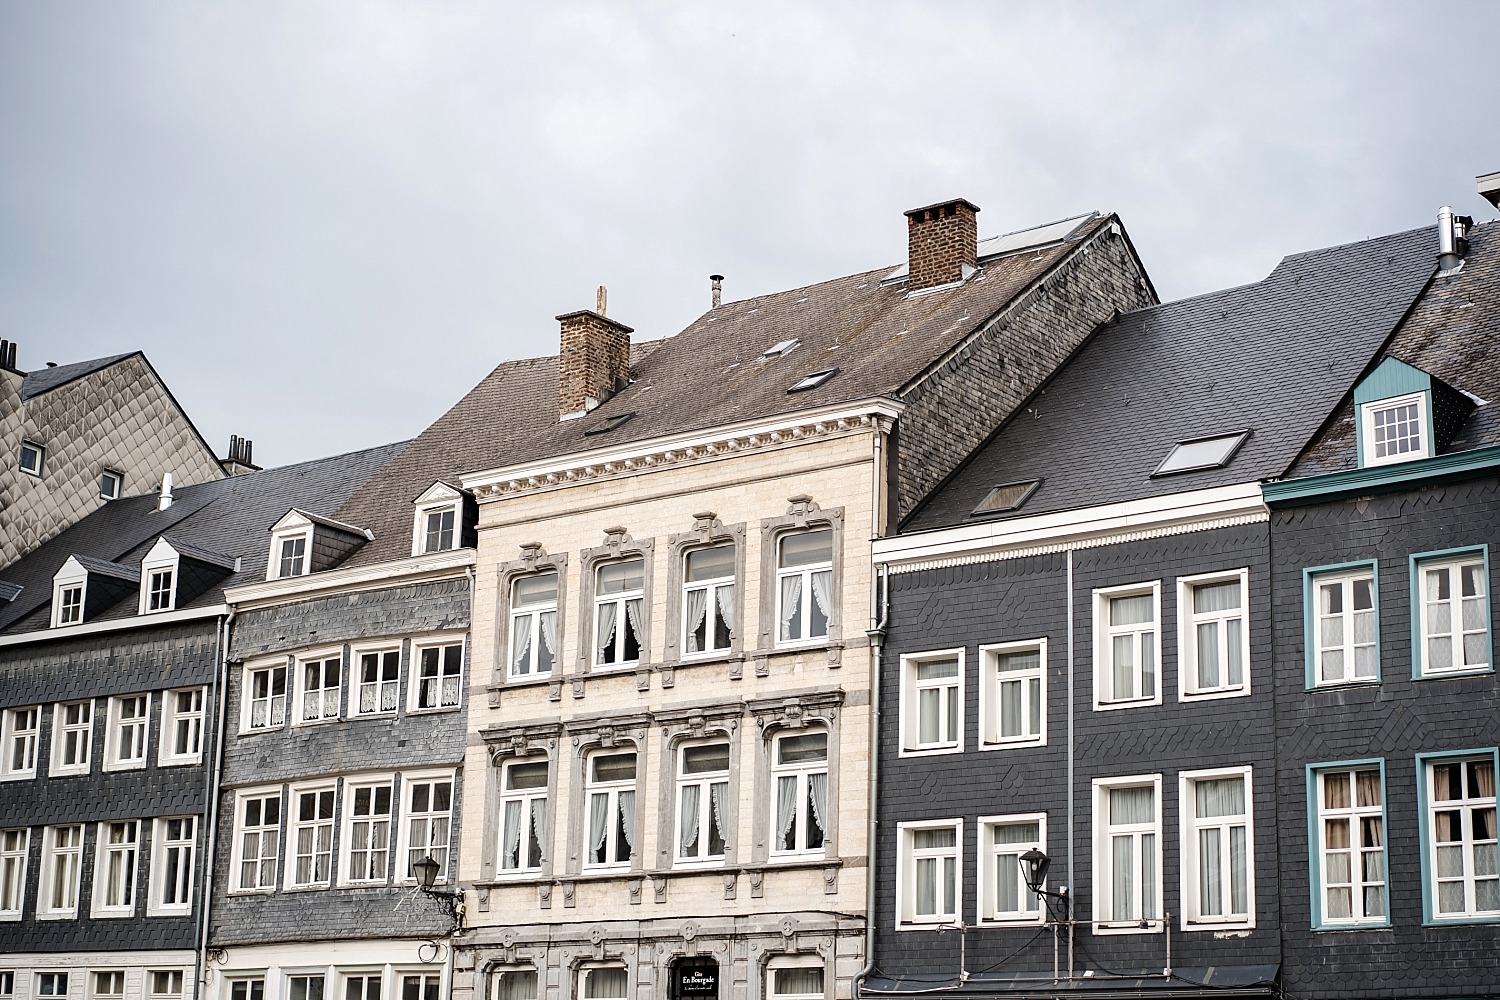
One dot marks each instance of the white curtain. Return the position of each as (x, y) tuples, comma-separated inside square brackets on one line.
[(627, 820), (1132, 805), (725, 596), (927, 886), (817, 793), (822, 588), (539, 825), (520, 643), (687, 821), (1010, 708), (549, 630), (598, 830), (1208, 654), (1239, 896), (1148, 665), (1123, 887), (1234, 652), (697, 608), (929, 707), (511, 836), (1124, 666), (1210, 873), (1224, 797), (718, 799), (791, 599), (604, 634), (633, 616), (786, 810)]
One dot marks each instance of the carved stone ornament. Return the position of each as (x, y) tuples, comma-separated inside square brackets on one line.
[(544, 896), (569, 898), (731, 883), (659, 888), (788, 927), (689, 931), (530, 553), (800, 506), (633, 888), (757, 884)]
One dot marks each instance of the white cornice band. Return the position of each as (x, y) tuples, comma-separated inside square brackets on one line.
[(148, 620), (400, 570)]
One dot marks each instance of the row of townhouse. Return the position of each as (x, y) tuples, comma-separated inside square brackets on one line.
[(716, 666)]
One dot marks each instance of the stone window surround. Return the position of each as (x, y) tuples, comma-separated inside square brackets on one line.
[(695, 724), (707, 531), (618, 546), (803, 514), (617, 734), (534, 560), (505, 746)]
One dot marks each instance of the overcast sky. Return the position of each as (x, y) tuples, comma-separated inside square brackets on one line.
[(324, 222)]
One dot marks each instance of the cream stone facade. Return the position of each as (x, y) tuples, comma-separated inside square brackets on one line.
[(757, 915)]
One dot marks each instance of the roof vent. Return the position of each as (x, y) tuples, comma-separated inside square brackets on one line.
[(8, 357), (165, 500), (1452, 246), (238, 461)]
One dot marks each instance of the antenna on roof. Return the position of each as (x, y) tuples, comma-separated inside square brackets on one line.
[(601, 301)]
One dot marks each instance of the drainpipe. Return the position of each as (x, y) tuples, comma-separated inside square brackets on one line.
[(1072, 792), (221, 696), (880, 607)]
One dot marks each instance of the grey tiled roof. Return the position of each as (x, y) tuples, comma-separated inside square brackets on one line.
[(103, 567), (199, 553), (47, 379), (1453, 334), (328, 522), (1274, 358)]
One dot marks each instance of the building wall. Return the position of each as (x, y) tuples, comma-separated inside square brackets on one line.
[(1393, 721), (332, 961), (1026, 598), (145, 435), (83, 966)]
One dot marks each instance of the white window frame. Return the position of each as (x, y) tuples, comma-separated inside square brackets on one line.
[(499, 976), (155, 599), (71, 576), (585, 971), (301, 663), (152, 993), (990, 690), (1354, 816), (164, 846), (95, 993), (373, 820), (407, 816), (104, 847), (802, 772), (371, 980), (52, 856), (1188, 688), (806, 596), (261, 830), (419, 648), (249, 983), (611, 790), (1103, 867), (711, 587), (531, 616), (302, 564), (1190, 899), (172, 717), (115, 730), (55, 766), (58, 976), (523, 799), (12, 737), (114, 476), (911, 695), (1367, 412), (37, 468), (1455, 563), (1345, 579), (248, 698), (15, 852), (383, 653), (310, 974), (989, 862), (703, 781), (420, 528), (1104, 646), (292, 848), (427, 977), (784, 963), (908, 866), (1466, 807), (621, 601)]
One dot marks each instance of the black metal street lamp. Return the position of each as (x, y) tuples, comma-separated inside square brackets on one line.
[(1034, 866), (427, 872)]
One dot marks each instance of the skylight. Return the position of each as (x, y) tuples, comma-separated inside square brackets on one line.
[(781, 349), (1201, 453), (814, 380), (610, 423), (1007, 497)]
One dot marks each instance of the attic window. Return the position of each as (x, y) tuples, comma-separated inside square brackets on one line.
[(1007, 497), (610, 423), (110, 482), (1201, 453), (814, 380), (33, 456), (1394, 429), (781, 349)]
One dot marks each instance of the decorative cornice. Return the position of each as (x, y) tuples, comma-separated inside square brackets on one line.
[(1381, 478)]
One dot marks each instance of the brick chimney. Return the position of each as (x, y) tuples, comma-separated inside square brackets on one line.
[(941, 240), (593, 361)]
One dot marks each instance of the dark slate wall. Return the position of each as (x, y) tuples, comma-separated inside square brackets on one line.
[(1395, 720), (96, 667), (1025, 599)]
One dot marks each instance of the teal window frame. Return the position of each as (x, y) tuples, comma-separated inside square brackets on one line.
[(1418, 640), (1315, 843), (1425, 834), (1310, 621)]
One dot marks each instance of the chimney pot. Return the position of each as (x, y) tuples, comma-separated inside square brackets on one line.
[(942, 240), (165, 500), (593, 360)]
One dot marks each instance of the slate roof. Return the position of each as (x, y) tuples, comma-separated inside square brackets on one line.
[(199, 553), (223, 518), (103, 567), (1274, 357), (47, 379), (1453, 334)]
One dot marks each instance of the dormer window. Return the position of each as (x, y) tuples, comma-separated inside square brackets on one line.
[(439, 533), (292, 557), (1403, 414), (159, 590), (110, 484), (70, 605), (85, 586), (159, 578), (1393, 429), (304, 543), (33, 458), (439, 522), (68, 589)]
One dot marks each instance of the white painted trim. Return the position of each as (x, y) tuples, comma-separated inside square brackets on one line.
[(909, 718), (906, 863), (1105, 524), (112, 733), (1103, 873), (1187, 854), (1187, 647), (1367, 413), (1102, 643), (256, 595), (403, 815), (162, 557), (989, 701), (118, 624), (984, 862)]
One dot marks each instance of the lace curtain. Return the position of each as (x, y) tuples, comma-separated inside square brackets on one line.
[(822, 588), (604, 634), (598, 830), (697, 609), (687, 822), (511, 836), (791, 604), (786, 811)]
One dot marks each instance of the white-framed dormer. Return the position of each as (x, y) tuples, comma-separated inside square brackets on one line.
[(69, 585), (159, 576), (1402, 414), (437, 524), (291, 546)]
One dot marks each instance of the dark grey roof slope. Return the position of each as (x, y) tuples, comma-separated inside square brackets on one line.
[(47, 379), (1453, 334), (1273, 358), (199, 553), (103, 567), (228, 517)]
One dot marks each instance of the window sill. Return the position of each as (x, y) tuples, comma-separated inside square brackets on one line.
[(1115, 706), (1383, 925), (712, 656), (1129, 927), (116, 768), (113, 914), (1450, 674), (1461, 921), (308, 723), (927, 924), (156, 912), (1372, 682), (1189, 696), (10, 918), (1221, 926), (941, 751), (70, 915), (387, 714), (1018, 921), (525, 680), (265, 891), (421, 711), (183, 762), (68, 773), (1039, 741), (24, 776), (316, 887), (261, 731)]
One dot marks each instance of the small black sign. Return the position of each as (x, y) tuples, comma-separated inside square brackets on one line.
[(697, 982)]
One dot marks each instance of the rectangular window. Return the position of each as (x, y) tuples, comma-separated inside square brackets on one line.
[(72, 737), (305, 987), (1213, 641), (619, 598), (1218, 867), (51, 984), (804, 585), (1127, 646), (293, 557), (702, 802), (440, 670), (367, 832), (362, 986), (1453, 614), (110, 484), (609, 983), (1004, 897), (18, 736), (438, 534), (182, 727), (533, 625), (1127, 854), (257, 840), (1393, 429), (610, 792), (125, 747), (319, 682), (1013, 695), (62, 854), (311, 838), (247, 989), (267, 688), (523, 816), (33, 458), (429, 817), (930, 872), (1349, 862), (419, 986), (799, 777), (932, 701), (797, 983), (708, 609), (1461, 861), (15, 846), (159, 590), (109, 985), (70, 605), (164, 984), (379, 680), (514, 984), (1343, 626), (118, 847), (173, 848)]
